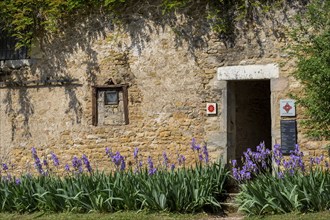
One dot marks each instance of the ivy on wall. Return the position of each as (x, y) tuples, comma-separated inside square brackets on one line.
[(26, 19)]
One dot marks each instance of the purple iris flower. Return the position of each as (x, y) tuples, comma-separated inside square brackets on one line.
[(234, 163), (206, 154), (34, 151), (277, 154), (37, 162), (181, 159), (291, 171), (172, 167), (45, 162), (236, 174), (67, 167), (194, 145), (280, 175), (17, 181), (150, 163), (318, 160), (4, 167), (87, 163), (39, 167), (108, 152), (117, 158), (136, 152), (123, 164), (247, 175), (55, 160), (200, 157), (165, 159), (77, 164), (151, 169), (286, 164)]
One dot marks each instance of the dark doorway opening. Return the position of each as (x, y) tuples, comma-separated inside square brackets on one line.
[(248, 116)]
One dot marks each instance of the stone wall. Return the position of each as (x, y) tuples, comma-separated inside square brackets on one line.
[(169, 82)]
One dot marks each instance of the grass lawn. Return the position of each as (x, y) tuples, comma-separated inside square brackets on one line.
[(157, 216), (310, 216), (104, 216)]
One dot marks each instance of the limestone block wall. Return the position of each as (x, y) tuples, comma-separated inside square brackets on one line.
[(169, 84)]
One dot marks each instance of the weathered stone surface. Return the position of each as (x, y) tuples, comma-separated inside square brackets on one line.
[(279, 84), (169, 86), (245, 72)]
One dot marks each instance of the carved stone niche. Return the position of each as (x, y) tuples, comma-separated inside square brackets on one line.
[(110, 105)]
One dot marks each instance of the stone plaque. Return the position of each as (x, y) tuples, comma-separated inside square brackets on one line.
[(287, 107), (288, 135)]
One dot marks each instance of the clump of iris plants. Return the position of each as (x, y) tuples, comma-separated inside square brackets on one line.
[(202, 152), (45, 165), (37, 162), (117, 159), (254, 163), (260, 162), (156, 184), (165, 162), (271, 183)]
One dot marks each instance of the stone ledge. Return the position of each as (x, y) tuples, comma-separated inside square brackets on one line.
[(268, 71), (15, 64)]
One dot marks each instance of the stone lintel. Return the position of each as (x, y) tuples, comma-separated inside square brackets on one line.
[(246, 72)]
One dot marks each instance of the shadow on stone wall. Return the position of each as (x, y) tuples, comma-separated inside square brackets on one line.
[(74, 104), (190, 26), (194, 23), (20, 115)]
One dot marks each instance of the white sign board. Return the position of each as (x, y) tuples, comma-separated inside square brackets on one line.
[(287, 107)]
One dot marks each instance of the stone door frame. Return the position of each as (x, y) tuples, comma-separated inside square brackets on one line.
[(246, 72)]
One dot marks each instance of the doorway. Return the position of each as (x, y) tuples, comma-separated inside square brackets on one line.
[(248, 116)]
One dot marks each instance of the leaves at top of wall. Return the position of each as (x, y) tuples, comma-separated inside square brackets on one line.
[(312, 48), (26, 19)]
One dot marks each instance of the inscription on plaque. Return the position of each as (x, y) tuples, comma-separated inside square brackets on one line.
[(288, 135)]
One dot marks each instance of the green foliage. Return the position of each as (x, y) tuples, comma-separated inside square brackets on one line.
[(26, 19), (242, 9), (268, 194), (312, 49), (170, 5), (23, 19), (183, 190)]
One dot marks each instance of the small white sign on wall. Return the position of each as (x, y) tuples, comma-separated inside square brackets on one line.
[(287, 107), (211, 108)]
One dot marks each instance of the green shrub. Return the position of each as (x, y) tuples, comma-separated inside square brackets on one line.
[(312, 50)]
